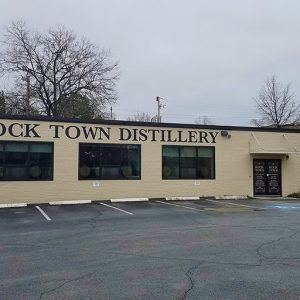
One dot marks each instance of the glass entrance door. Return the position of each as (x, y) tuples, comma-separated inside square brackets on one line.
[(267, 176)]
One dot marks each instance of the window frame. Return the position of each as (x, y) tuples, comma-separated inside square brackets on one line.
[(4, 142), (179, 161), (109, 144)]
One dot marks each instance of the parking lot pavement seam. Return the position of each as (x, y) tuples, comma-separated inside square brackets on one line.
[(260, 247)]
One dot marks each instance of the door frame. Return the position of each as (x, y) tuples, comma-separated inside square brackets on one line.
[(280, 176)]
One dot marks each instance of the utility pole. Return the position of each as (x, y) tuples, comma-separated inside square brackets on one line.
[(159, 107), (111, 113), (27, 96)]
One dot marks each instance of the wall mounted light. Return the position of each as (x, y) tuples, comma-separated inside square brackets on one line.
[(225, 133)]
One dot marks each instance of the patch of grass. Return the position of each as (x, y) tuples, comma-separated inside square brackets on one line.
[(294, 195)]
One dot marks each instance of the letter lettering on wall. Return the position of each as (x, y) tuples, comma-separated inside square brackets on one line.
[(93, 132), (170, 136), (15, 132), (180, 137), (56, 133), (143, 136), (154, 131), (203, 136), (30, 129), (90, 131), (2, 129), (125, 134), (192, 137), (163, 136), (213, 136), (134, 134), (74, 130), (104, 132)]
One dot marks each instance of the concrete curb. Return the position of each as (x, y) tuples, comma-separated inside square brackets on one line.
[(129, 200), (231, 197), (70, 202), (181, 198), (13, 205)]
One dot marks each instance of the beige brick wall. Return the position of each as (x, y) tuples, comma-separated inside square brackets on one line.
[(233, 168)]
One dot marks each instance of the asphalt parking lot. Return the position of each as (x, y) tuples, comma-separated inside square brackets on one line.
[(204, 249)]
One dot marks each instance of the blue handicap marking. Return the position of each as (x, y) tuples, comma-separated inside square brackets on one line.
[(285, 206)]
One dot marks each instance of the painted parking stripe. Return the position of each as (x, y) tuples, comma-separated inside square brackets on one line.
[(235, 204), (43, 213), (122, 210), (182, 206)]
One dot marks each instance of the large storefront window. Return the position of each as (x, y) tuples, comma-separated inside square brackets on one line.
[(188, 162), (26, 161), (109, 161)]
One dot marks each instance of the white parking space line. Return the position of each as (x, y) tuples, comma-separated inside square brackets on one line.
[(236, 204), (43, 213), (182, 206), (122, 210)]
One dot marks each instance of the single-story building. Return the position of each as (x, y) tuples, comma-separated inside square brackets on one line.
[(43, 160)]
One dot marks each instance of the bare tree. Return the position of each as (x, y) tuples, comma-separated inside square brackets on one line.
[(276, 105), (59, 66), (205, 120), (140, 116)]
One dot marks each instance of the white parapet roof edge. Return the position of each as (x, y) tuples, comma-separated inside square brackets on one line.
[(129, 200), (182, 198), (13, 205), (70, 202)]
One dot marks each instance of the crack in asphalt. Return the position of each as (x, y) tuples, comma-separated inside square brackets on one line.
[(65, 281), (189, 274), (269, 243), (93, 222)]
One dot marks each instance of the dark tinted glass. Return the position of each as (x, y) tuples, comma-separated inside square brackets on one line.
[(130, 164), (206, 162), (40, 161), (109, 161), (16, 161), (89, 159), (1, 161), (170, 162), (188, 162), (26, 161), (110, 155)]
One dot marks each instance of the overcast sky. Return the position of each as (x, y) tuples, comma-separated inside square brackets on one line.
[(206, 57)]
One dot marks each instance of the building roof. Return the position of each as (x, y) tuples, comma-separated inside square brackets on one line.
[(147, 124)]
